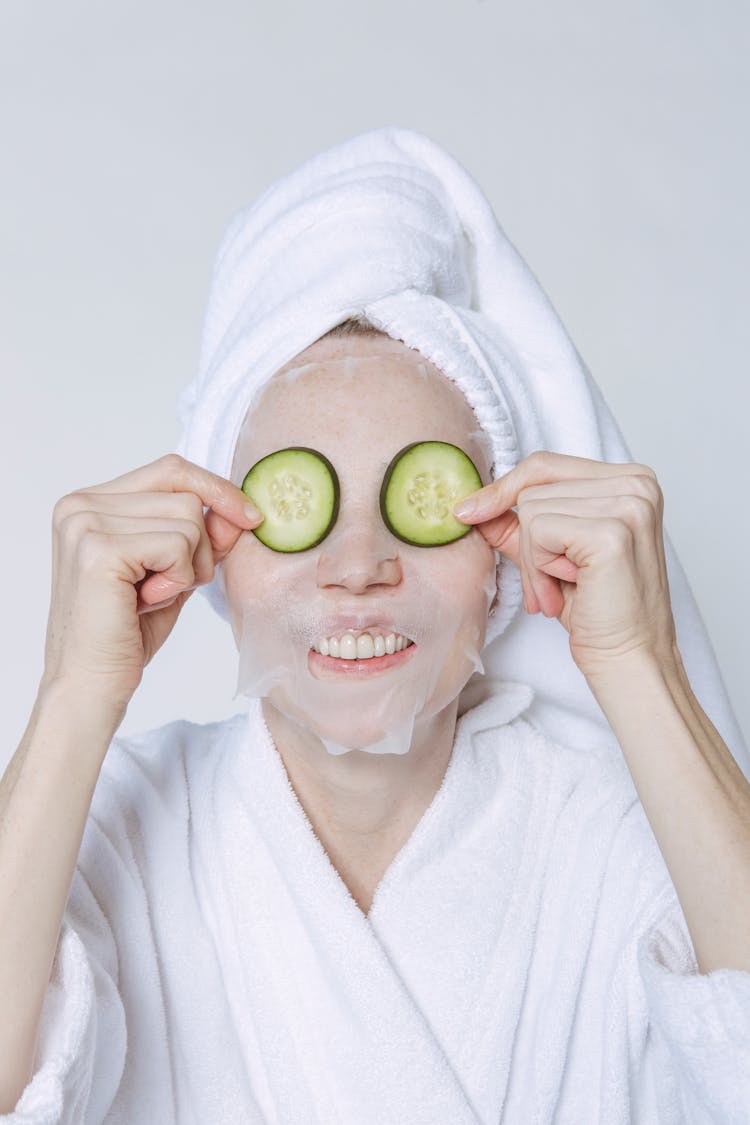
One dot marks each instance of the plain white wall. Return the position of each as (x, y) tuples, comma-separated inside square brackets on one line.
[(610, 140)]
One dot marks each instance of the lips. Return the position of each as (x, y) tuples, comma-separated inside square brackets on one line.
[(337, 627), (336, 668), (364, 647)]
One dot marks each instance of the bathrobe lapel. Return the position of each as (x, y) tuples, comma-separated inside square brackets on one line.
[(323, 997)]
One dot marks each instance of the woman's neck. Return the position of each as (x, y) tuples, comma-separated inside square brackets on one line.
[(364, 806)]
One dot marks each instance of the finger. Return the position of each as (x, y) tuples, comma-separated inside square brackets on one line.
[(503, 533), (546, 593), (135, 555), (122, 512), (220, 536), (153, 587), (637, 499), (175, 603), (173, 473), (633, 513), (541, 467), (633, 484), (222, 533)]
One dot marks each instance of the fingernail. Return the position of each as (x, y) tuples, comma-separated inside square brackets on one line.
[(157, 605), (252, 513), (465, 508)]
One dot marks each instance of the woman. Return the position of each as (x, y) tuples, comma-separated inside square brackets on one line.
[(376, 895)]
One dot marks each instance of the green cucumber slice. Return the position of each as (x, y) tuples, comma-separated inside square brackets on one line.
[(421, 485), (297, 490)]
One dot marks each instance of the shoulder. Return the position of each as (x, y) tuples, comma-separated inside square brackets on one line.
[(151, 774), (588, 790)]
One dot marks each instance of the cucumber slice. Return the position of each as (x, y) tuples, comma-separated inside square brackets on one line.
[(421, 485), (297, 490)]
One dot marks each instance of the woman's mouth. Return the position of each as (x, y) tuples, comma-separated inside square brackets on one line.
[(363, 655), (365, 645)]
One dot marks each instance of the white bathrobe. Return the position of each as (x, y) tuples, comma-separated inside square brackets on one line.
[(525, 960)]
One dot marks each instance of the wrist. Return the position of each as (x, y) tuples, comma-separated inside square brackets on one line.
[(637, 664), (641, 682), (81, 704)]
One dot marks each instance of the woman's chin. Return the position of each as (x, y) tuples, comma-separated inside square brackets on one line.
[(356, 730), (359, 732)]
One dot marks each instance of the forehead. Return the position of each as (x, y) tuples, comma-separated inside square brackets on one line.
[(346, 395), (362, 374)]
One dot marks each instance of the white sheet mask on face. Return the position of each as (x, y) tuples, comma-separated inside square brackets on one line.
[(346, 703), (356, 367), (371, 703)]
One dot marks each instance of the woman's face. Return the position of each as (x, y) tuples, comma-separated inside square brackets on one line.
[(359, 415)]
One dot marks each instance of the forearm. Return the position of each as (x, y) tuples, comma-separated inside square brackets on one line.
[(695, 797), (45, 796)]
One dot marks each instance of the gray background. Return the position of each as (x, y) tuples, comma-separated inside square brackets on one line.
[(611, 140)]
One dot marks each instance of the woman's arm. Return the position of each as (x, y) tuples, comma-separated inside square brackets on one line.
[(588, 539), (695, 796), (45, 796)]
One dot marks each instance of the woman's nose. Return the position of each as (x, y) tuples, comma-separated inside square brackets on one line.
[(360, 552)]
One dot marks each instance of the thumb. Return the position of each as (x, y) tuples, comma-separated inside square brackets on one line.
[(503, 534), (222, 533)]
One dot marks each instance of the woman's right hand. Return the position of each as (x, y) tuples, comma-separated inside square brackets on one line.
[(126, 555)]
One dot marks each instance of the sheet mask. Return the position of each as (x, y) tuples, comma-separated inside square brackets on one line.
[(347, 710), (354, 367), (375, 713)]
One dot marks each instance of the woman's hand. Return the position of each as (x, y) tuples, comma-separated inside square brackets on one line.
[(126, 556), (587, 537)]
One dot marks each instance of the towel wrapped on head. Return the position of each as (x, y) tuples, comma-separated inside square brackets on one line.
[(389, 227)]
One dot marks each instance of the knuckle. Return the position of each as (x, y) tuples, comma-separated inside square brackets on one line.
[(540, 459), (645, 471), (193, 507), (192, 533), (172, 462), (75, 524), (528, 509), (615, 536), (66, 506), (534, 518), (526, 494), (651, 489), (204, 570), (636, 510), (93, 550)]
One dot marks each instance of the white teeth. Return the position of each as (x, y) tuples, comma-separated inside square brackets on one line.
[(363, 647)]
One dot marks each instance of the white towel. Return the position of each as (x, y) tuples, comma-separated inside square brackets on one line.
[(390, 225)]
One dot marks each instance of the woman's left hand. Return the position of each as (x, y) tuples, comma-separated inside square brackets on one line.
[(587, 537)]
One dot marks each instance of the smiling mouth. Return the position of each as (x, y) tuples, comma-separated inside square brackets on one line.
[(362, 645), (355, 667)]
